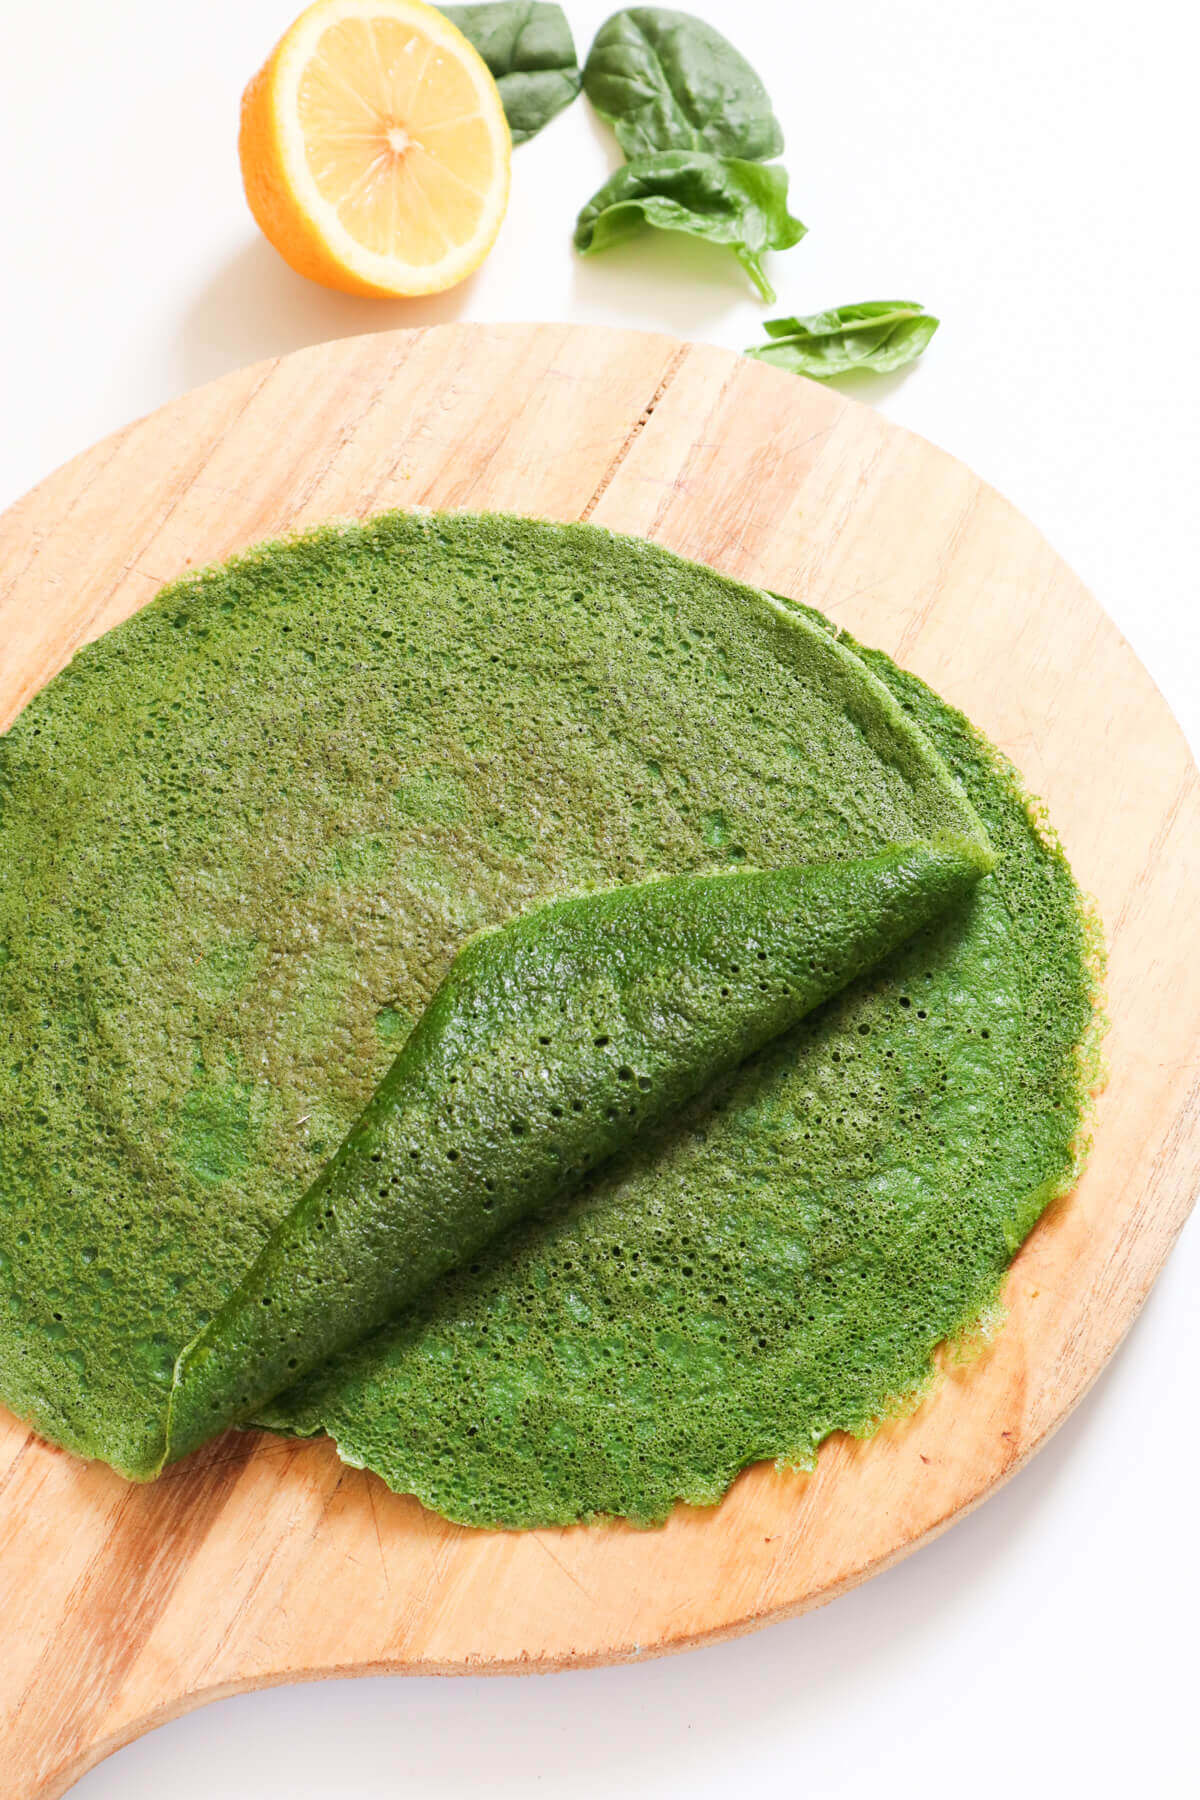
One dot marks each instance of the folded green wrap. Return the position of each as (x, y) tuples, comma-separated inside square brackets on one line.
[(550, 1043), (246, 834)]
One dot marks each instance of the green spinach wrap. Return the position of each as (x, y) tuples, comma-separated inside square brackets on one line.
[(243, 838)]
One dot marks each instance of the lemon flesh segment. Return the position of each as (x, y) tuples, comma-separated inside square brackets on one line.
[(392, 144)]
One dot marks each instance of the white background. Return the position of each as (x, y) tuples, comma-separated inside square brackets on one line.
[(1027, 171)]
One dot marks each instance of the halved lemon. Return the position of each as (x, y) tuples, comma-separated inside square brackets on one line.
[(374, 148)]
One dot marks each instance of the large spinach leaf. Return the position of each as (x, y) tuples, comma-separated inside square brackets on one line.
[(667, 81), (528, 47), (740, 204), (880, 335)]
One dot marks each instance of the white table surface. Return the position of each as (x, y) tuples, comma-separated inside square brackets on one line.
[(1026, 169)]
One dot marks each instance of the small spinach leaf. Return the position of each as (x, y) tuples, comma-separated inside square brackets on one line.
[(667, 81), (740, 204), (528, 47), (880, 335)]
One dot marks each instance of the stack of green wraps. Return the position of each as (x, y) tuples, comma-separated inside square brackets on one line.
[(733, 1013)]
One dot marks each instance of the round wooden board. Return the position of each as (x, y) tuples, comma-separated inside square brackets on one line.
[(262, 1560)]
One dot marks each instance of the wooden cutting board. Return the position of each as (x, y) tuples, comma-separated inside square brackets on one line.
[(262, 1560)]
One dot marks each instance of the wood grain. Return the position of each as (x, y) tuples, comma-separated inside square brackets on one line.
[(262, 1560)]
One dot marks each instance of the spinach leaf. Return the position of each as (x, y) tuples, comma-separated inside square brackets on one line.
[(667, 81), (528, 47), (727, 201), (880, 335)]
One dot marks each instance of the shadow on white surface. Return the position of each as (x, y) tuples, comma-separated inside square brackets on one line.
[(865, 386), (255, 306), (873, 390), (666, 280), (686, 1725)]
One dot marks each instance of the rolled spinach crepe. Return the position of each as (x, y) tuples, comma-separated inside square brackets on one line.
[(244, 835)]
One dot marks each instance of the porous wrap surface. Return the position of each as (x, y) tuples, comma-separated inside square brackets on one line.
[(241, 838)]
